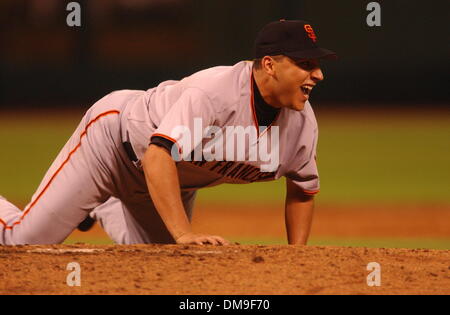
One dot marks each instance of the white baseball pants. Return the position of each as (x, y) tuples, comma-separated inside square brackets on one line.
[(91, 175)]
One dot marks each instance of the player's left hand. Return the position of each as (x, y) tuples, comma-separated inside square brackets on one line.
[(201, 239)]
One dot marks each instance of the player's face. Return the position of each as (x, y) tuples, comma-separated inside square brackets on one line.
[(294, 81)]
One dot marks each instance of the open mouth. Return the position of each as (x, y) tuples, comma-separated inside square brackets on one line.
[(306, 89)]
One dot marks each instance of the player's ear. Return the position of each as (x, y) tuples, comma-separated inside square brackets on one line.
[(268, 65)]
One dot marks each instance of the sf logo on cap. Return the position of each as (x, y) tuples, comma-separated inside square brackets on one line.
[(310, 31)]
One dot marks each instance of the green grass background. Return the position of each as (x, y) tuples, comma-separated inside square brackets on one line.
[(381, 157)]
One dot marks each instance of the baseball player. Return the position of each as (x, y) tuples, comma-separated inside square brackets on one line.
[(137, 159)]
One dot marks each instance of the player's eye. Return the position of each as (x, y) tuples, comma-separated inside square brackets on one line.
[(307, 65)]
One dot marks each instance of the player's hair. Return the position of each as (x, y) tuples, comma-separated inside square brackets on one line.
[(257, 62)]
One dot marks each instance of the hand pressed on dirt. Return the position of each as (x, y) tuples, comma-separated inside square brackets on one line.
[(201, 239)]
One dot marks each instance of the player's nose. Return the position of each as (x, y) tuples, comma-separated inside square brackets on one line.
[(317, 75)]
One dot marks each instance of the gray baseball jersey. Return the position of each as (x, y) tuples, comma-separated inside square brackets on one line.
[(98, 172), (223, 97)]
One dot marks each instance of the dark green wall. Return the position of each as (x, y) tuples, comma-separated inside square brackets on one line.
[(46, 63)]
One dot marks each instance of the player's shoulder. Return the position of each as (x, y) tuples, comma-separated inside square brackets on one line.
[(223, 85), (305, 118), (309, 115)]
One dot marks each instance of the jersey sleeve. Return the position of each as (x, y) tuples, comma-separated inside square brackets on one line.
[(162, 142), (306, 177), (184, 123)]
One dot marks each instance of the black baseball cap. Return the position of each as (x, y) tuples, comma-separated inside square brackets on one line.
[(295, 39)]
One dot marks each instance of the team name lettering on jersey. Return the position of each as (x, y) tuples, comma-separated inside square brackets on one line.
[(235, 171)]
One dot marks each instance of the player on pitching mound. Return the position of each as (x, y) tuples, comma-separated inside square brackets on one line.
[(137, 158)]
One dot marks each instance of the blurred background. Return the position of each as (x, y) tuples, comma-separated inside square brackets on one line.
[(383, 110)]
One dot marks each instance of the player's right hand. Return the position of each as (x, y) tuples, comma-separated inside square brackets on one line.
[(201, 239)]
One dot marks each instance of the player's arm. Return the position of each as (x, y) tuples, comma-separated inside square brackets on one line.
[(299, 212), (163, 184)]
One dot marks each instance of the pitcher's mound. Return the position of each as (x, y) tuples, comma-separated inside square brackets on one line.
[(174, 269)]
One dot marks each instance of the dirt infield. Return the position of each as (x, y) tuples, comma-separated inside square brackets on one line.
[(339, 221), (355, 220), (197, 270), (170, 269)]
